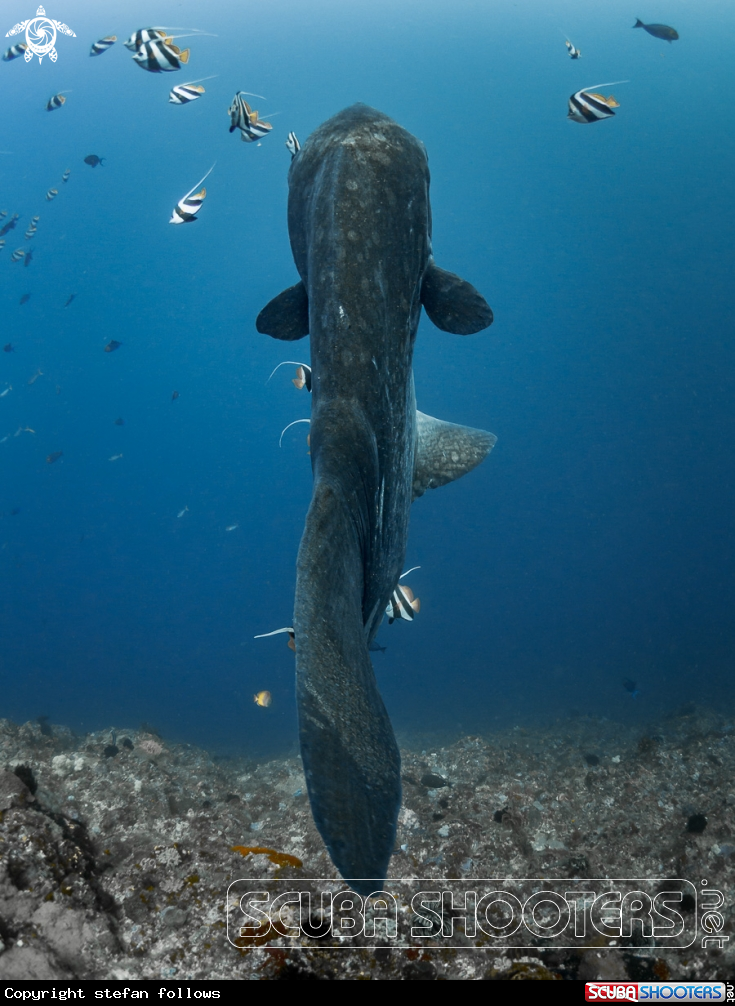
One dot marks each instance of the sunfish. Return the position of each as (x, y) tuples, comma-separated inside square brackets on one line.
[(360, 228)]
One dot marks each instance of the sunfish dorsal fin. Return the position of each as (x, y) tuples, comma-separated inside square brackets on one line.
[(286, 316), (445, 452), (452, 303)]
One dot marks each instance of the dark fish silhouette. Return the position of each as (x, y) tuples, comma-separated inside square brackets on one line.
[(360, 184), (174, 395), (112, 345), (631, 687), (662, 31), (119, 421), (93, 160), (54, 457), (10, 225), (71, 298), (377, 648), (8, 348), (25, 298)]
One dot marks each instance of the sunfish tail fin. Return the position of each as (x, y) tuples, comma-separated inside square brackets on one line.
[(445, 452), (351, 759), (638, 23), (453, 304)]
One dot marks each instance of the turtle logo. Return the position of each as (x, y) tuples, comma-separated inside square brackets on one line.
[(40, 35)]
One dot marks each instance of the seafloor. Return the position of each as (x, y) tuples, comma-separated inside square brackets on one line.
[(116, 848)]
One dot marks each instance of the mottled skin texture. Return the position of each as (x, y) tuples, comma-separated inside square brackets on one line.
[(359, 221), (360, 227)]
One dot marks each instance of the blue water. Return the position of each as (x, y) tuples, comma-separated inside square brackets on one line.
[(594, 544)]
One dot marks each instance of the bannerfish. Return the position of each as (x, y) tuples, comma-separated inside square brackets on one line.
[(34, 378), (574, 53), (17, 255), (119, 421), (588, 106), (160, 56), (631, 687), (3, 214), (402, 604), (182, 94), (51, 194), (102, 45), (65, 176), (303, 374), (2, 242), (55, 101), (303, 377), (54, 457), (143, 35), (662, 31), (25, 298), (288, 629), (14, 51), (93, 160), (10, 225), (186, 209), (361, 181), (174, 395), (182, 512), (293, 144), (263, 699), (112, 345), (232, 527), (71, 298), (34, 220), (31, 231), (242, 117)]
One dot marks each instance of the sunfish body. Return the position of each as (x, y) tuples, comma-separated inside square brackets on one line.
[(360, 227)]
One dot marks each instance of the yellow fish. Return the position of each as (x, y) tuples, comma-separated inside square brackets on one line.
[(262, 699)]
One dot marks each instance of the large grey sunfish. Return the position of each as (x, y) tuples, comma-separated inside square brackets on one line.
[(359, 221)]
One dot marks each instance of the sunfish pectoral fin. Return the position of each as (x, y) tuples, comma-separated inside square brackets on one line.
[(286, 316), (445, 452), (452, 303)]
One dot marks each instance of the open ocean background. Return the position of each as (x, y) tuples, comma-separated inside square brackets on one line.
[(594, 544)]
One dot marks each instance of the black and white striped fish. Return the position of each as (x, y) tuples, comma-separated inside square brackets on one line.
[(143, 35), (51, 194), (182, 94), (102, 45), (161, 56), (186, 209), (17, 255), (65, 176), (14, 51), (402, 603), (574, 53), (55, 101), (30, 232), (242, 117), (293, 145), (589, 106)]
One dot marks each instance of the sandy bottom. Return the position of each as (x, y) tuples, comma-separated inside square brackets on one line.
[(117, 848)]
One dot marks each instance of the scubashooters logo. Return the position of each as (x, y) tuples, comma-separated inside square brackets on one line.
[(502, 913), (40, 35)]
